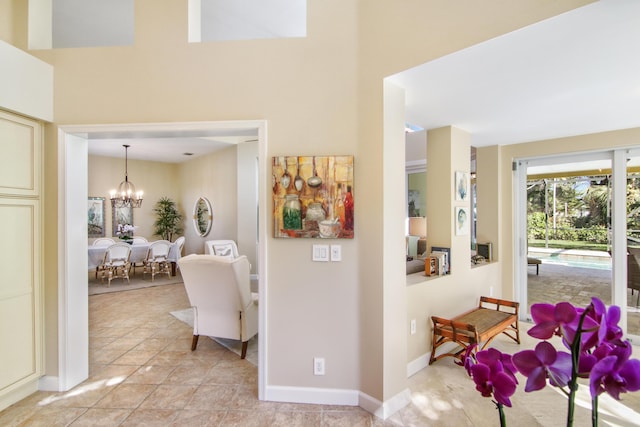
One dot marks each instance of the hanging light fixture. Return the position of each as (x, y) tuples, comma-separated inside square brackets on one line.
[(126, 196)]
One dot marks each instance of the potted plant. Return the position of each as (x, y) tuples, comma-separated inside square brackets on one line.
[(168, 219)]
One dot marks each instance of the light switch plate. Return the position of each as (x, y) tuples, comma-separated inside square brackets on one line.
[(320, 253)]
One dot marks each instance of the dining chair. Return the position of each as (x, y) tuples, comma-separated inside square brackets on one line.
[(157, 259), (116, 262), (102, 241), (179, 243), (137, 240), (633, 272)]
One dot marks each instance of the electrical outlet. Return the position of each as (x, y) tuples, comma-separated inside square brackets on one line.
[(318, 366), (413, 326)]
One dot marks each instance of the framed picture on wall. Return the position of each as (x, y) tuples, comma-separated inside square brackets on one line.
[(95, 217), (462, 221), (313, 197), (462, 186), (120, 216)]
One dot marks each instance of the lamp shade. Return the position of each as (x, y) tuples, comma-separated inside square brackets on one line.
[(418, 226)]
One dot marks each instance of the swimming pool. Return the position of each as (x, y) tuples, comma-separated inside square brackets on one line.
[(573, 258), (599, 265)]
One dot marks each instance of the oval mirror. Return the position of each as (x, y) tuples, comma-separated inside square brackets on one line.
[(202, 216)]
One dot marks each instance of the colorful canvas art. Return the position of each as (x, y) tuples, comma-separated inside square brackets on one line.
[(313, 197)]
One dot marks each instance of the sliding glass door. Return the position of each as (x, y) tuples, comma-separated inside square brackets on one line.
[(578, 217)]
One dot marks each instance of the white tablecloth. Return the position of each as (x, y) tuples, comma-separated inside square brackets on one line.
[(138, 253)]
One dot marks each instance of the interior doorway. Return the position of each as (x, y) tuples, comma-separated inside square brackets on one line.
[(72, 237)]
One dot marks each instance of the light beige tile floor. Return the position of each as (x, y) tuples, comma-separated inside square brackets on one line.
[(142, 373)]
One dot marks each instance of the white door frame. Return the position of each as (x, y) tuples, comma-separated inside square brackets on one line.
[(73, 324)]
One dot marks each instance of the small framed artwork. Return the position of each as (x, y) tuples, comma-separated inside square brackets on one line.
[(462, 186), (485, 250), (462, 221), (120, 216), (95, 217), (447, 257)]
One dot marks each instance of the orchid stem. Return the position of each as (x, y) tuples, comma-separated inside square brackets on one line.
[(575, 357), (594, 411), (503, 420)]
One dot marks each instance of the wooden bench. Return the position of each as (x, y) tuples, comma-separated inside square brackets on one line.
[(479, 326)]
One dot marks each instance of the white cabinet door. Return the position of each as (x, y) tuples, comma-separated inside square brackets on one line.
[(20, 164), (21, 308)]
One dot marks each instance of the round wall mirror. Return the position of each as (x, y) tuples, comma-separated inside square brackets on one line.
[(202, 216)]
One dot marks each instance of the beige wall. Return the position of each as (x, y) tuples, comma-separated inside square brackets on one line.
[(447, 295), (213, 177), (321, 95), (156, 179), (13, 22)]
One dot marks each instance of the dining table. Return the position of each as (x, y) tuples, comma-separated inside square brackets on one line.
[(138, 254)]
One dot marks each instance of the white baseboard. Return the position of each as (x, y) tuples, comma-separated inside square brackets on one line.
[(384, 410), (16, 393), (49, 383), (418, 364), (326, 396), (321, 396)]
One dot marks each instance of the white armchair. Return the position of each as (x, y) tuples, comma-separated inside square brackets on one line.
[(226, 248), (219, 291)]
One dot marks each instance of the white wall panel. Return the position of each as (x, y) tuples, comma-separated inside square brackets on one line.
[(26, 85)]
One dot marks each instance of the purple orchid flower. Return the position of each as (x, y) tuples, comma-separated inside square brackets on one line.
[(498, 361), (562, 319), (492, 375), (588, 360), (608, 321), (549, 319), (615, 373), (542, 363)]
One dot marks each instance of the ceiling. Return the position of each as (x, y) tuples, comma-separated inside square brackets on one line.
[(167, 146), (573, 74)]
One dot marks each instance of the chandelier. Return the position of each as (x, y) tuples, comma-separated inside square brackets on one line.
[(126, 196)]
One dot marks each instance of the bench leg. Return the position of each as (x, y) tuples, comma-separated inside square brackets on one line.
[(537, 269), (194, 342), (434, 345)]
